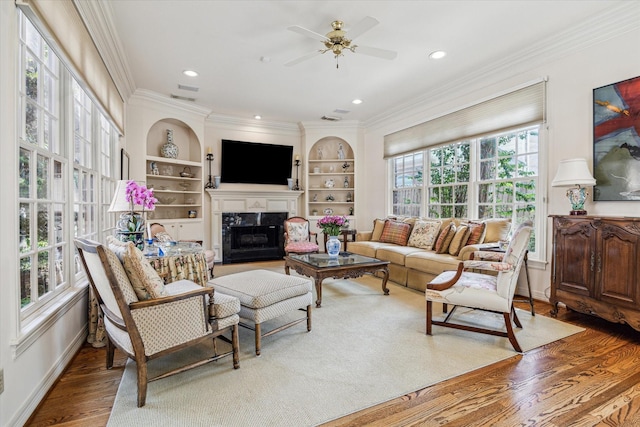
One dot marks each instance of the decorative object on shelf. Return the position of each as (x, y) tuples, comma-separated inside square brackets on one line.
[(332, 225), (314, 212), (167, 171), (320, 154), (193, 214), (216, 182), (154, 168), (351, 210), (345, 166), (186, 172), (131, 199), (329, 183), (330, 198), (340, 151), (315, 197), (166, 200), (297, 162), (185, 185), (209, 160), (349, 197), (290, 183), (346, 182), (574, 172), (169, 149), (328, 211), (316, 170), (331, 169)]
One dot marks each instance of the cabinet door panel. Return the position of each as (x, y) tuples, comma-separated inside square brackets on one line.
[(617, 272), (575, 257)]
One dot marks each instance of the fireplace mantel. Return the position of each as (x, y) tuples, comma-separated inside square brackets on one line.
[(247, 200)]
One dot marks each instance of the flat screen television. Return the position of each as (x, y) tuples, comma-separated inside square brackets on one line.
[(254, 163)]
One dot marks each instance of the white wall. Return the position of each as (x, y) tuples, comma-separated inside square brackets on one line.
[(571, 80)]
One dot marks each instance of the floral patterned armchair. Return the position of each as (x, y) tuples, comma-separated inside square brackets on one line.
[(490, 292), (297, 236)]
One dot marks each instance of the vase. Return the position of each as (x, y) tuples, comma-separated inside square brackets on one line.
[(333, 246), (130, 228), (169, 149)]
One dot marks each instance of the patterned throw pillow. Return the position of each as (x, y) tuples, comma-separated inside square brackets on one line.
[(395, 232), (476, 234), (117, 247), (459, 239), (298, 231), (424, 234), (445, 237), (163, 237), (378, 228), (145, 280)]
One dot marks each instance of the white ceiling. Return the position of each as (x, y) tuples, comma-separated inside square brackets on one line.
[(224, 41)]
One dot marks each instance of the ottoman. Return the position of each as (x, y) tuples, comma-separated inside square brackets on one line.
[(265, 295)]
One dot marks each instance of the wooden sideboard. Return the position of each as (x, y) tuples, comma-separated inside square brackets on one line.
[(595, 267)]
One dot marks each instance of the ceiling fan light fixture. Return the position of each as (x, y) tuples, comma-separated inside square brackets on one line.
[(438, 54)]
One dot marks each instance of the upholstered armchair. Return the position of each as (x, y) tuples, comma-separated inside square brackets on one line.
[(159, 233), (172, 317), (490, 292), (298, 236)]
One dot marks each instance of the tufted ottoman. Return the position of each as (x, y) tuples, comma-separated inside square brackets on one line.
[(265, 295)]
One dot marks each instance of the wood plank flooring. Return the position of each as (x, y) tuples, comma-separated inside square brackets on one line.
[(591, 378)]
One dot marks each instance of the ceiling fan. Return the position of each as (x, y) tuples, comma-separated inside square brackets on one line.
[(336, 41)]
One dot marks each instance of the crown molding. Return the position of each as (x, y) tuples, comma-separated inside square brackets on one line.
[(611, 24), (233, 122), (144, 95)]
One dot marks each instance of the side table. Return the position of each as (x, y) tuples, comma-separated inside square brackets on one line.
[(345, 237), (526, 272)]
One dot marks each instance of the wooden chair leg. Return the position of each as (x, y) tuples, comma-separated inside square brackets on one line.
[(308, 318), (515, 317), (429, 311), (510, 334), (110, 352), (258, 339), (445, 308), (235, 346), (142, 382)]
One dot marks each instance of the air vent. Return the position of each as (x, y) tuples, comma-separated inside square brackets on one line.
[(183, 98), (331, 118), (189, 88), (339, 111)]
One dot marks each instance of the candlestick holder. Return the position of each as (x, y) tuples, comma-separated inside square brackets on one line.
[(297, 186), (210, 182)]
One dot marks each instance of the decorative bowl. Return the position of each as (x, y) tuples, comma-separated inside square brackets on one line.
[(165, 200)]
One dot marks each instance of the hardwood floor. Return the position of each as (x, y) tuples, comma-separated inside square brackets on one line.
[(591, 378)]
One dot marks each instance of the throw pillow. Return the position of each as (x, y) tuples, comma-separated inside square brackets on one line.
[(117, 247), (395, 232), (459, 239), (444, 239), (477, 230), (163, 237), (378, 228), (497, 229), (298, 231), (145, 280), (424, 234)]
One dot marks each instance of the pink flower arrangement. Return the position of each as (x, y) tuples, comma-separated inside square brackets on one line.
[(331, 224), (140, 195)]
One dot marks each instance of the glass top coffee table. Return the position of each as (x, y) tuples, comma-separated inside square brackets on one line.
[(346, 265)]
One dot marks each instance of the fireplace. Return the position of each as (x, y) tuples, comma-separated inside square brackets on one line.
[(252, 236)]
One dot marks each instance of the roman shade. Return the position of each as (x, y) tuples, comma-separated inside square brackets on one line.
[(71, 40), (518, 108)]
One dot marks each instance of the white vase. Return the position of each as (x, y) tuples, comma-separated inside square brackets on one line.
[(333, 246)]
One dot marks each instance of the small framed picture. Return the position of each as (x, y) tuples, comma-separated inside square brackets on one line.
[(124, 165)]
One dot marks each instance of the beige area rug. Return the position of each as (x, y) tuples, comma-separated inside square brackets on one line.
[(365, 348)]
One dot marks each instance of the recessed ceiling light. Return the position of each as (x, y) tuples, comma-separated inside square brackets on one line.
[(438, 54), (190, 73), (357, 101), (257, 117)]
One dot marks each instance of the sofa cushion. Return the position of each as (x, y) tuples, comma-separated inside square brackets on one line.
[(477, 231), (497, 229), (459, 239), (444, 239), (430, 262), (145, 280), (366, 248), (378, 227), (395, 232), (395, 254), (424, 233)]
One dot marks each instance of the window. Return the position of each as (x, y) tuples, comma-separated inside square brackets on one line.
[(66, 146), (486, 177)]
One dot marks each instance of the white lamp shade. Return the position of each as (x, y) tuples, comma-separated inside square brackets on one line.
[(119, 202), (573, 172)]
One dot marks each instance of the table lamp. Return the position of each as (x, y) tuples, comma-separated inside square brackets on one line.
[(574, 172)]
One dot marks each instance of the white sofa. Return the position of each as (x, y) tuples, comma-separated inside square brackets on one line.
[(415, 263)]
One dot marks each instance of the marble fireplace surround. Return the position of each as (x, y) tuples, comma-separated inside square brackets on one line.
[(247, 200)]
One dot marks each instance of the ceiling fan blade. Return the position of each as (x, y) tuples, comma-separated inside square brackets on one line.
[(302, 58), (374, 51), (308, 33), (361, 27)]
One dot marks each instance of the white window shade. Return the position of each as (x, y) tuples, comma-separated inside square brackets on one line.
[(61, 20), (522, 107)]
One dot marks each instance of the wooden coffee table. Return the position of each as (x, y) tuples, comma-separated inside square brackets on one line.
[(346, 265)]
